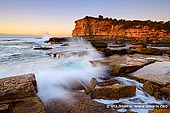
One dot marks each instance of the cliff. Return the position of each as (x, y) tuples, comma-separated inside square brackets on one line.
[(108, 28)]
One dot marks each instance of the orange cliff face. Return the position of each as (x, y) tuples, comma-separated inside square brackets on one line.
[(108, 28)]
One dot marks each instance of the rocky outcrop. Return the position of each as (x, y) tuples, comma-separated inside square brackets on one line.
[(18, 94), (108, 28)]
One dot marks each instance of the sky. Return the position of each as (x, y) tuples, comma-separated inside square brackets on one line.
[(57, 17)]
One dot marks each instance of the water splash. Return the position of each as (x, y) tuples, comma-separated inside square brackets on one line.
[(53, 73)]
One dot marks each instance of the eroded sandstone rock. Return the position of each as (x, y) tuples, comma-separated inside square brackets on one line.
[(79, 103), (108, 82), (99, 44), (91, 86), (18, 94), (114, 92), (108, 28), (17, 87)]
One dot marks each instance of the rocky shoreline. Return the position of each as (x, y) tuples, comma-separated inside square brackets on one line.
[(18, 94)]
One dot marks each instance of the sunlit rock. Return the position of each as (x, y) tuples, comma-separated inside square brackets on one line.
[(114, 92), (106, 28)]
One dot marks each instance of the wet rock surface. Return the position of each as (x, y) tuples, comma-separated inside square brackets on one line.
[(57, 40), (42, 48), (99, 44)]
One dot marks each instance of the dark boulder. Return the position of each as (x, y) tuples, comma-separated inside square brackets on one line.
[(149, 51), (99, 44), (57, 40)]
